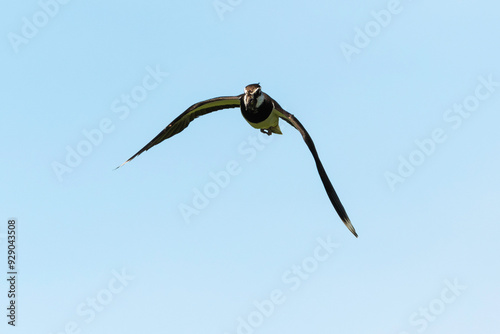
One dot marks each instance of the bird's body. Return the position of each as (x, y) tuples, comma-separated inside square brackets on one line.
[(261, 112)]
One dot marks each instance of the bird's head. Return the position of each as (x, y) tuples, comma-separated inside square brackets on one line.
[(253, 97)]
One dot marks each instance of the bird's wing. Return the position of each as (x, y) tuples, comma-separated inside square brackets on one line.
[(183, 120), (324, 177)]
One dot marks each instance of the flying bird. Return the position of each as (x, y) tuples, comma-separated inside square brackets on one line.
[(261, 112)]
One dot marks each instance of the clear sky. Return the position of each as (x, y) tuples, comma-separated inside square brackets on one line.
[(220, 230)]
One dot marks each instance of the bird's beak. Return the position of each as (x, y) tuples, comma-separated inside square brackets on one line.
[(249, 100)]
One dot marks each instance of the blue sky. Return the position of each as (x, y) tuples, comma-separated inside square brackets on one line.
[(400, 97)]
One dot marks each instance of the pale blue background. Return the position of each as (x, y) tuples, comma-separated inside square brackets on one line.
[(441, 224)]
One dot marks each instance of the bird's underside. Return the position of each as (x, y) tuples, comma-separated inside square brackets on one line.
[(261, 112)]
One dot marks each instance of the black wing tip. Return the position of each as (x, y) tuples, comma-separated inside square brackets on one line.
[(124, 163), (120, 165), (349, 225)]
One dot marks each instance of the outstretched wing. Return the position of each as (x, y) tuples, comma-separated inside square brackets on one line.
[(326, 181), (183, 120)]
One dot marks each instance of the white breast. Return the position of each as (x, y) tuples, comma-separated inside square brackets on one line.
[(260, 99)]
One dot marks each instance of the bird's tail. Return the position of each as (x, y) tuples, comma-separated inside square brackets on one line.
[(276, 129)]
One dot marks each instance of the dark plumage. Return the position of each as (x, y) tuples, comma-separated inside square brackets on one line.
[(262, 112)]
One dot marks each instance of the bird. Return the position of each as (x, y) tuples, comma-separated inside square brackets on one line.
[(263, 113)]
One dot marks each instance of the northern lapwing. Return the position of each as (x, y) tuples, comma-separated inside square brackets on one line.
[(261, 112)]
